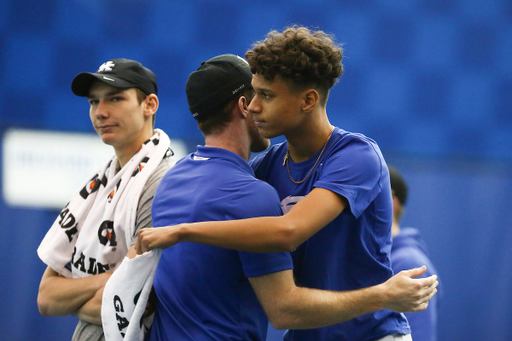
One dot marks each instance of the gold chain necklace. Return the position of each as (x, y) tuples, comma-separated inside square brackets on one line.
[(287, 156)]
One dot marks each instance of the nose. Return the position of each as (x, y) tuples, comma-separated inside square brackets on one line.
[(100, 110), (255, 105)]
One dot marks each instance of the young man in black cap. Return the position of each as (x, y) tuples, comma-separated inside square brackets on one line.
[(213, 293), (93, 233)]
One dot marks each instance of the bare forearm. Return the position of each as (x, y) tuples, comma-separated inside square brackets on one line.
[(91, 310), (311, 308), (263, 234), (60, 296), (316, 308), (289, 306)]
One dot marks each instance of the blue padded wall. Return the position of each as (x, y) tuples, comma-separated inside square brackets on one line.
[(429, 80)]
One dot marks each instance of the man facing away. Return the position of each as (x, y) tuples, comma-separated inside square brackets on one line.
[(93, 233), (333, 186), (409, 250), (213, 293)]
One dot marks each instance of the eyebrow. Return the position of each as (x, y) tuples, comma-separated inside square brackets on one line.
[(110, 93), (263, 89)]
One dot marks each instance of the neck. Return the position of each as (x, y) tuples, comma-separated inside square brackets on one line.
[(303, 146), (231, 138), (307, 139), (126, 152)]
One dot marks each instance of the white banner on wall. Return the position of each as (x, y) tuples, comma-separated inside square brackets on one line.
[(44, 169)]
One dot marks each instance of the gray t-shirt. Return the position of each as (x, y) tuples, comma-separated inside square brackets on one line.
[(86, 331)]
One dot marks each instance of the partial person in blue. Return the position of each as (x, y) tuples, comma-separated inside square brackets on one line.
[(333, 187), (408, 251)]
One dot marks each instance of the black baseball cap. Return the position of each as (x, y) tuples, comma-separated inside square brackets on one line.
[(398, 185), (121, 73), (215, 82)]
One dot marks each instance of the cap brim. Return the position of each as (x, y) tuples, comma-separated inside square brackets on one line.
[(82, 82)]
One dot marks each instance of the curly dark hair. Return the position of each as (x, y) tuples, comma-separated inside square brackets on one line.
[(298, 55)]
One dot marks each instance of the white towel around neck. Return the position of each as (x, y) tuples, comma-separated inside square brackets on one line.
[(97, 227)]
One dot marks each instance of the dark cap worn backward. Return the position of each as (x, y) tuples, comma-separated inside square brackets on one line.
[(215, 82), (120, 73)]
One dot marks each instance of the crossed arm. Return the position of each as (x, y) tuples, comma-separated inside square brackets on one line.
[(59, 296)]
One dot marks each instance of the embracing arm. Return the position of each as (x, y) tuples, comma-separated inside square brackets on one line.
[(262, 234), (290, 307), (59, 296)]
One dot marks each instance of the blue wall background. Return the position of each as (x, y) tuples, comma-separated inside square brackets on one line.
[(429, 80)]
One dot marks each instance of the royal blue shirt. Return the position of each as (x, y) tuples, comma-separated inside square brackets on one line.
[(353, 251), (203, 291)]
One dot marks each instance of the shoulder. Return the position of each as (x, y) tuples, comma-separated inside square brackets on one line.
[(258, 198), (159, 172), (356, 145), (155, 178), (352, 152), (166, 164), (259, 188)]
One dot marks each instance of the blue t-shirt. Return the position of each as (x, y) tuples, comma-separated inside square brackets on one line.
[(410, 251), (353, 251), (203, 291)]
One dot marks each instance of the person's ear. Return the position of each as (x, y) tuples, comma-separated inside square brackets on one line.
[(311, 98), (150, 105), (243, 105)]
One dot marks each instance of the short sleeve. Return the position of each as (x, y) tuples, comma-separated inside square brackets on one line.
[(258, 264), (259, 199), (353, 170), (143, 219)]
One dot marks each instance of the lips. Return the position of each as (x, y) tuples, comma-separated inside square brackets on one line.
[(104, 127), (258, 123)]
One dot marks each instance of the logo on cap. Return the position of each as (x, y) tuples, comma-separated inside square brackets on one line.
[(238, 89), (106, 66)]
